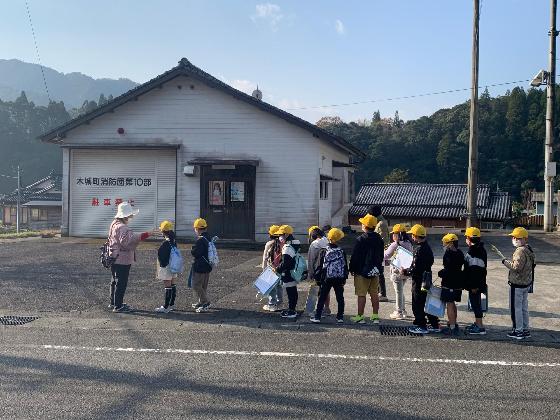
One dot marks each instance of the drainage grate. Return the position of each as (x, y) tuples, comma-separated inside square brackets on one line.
[(395, 331), (16, 320)]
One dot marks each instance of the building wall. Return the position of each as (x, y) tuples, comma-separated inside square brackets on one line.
[(54, 219), (210, 123)]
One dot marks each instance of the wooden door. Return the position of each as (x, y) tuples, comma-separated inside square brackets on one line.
[(228, 200)]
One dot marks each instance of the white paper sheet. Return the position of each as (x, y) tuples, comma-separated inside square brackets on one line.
[(402, 258), (266, 281)]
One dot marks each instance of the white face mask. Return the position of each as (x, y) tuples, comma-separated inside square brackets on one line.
[(516, 242), (282, 238)]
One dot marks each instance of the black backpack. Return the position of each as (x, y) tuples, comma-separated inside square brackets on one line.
[(107, 259)]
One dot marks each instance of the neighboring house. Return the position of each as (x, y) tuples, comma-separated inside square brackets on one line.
[(537, 199), (432, 205), (41, 205), (185, 145)]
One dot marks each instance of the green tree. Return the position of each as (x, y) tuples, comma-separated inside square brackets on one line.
[(397, 175)]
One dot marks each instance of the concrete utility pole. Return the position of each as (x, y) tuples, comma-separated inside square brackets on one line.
[(473, 138), (549, 164), (18, 211)]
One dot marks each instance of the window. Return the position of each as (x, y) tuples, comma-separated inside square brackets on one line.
[(324, 190), (39, 215), (351, 187)]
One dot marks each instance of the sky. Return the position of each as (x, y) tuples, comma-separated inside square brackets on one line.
[(305, 55)]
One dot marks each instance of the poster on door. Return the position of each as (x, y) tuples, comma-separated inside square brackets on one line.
[(237, 191), (216, 189)]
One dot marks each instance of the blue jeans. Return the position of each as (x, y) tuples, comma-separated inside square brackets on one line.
[(275, 297)]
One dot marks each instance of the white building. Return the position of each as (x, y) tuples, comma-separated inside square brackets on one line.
[(185, 145)]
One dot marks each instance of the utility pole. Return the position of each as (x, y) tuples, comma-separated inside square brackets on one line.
[(473, 138), (549, 164), (18, 211)]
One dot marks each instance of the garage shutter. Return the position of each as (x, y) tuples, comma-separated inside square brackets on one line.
[(100, 179)]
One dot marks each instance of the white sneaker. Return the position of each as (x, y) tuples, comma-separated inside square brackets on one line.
[(171, 308), (270, 308), (397, 315), (163, 310)]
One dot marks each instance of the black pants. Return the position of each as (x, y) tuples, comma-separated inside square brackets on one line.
[(292, 297), (382, 287), (118, 284), (418, 303), (476, 303), (326, 286)]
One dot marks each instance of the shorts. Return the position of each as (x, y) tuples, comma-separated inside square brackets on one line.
[(451, 295), (364, 286), (163, 273)]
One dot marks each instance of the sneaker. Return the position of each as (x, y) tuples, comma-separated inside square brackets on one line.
[(374, 318), (476, 330), (315, 320), (111, 307), (289, 314), (123, 308), (171, 308), (270, 308), (326, 312), (470, 327), (447, 330), (358, 319), (163, 310), (340, 320), (397, 315), (517, 335), (431, 329), (456, 331), (383, 298), (404, 314), (526, 334), (417, 330), (196, 305)]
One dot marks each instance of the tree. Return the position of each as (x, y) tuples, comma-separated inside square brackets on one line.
[(397, 176), (397, 122)]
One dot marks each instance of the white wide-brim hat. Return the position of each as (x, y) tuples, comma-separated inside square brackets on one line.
[(125, 210)]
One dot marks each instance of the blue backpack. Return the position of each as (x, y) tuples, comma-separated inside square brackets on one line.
[(176, 262), (299, 272)]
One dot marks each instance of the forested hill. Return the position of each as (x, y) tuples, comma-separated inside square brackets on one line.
[(72, 88), (434, 149)]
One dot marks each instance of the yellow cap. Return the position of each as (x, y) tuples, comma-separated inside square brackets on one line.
[(272, 229), (417, 230), (166, 226), (472, 232), (312, 228), (368, 221), (200, 224), (335, 235), (398, 228), (450, 237), (520, 233), (284, 230)]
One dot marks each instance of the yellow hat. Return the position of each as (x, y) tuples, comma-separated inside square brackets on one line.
[(368, 221), (166, 226), (272, 229), (335, 235), (520, 233), (417, 230), (450, 237), (398, 228), (472, 232), (200, 224), (312, 228), (284, 230)]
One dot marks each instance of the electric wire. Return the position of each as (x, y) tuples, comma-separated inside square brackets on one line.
[(37, 50)]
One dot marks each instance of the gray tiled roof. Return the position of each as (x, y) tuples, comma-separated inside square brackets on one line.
[(51, 192), (430, 201)]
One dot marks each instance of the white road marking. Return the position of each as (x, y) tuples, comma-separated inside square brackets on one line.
[(300, 355)]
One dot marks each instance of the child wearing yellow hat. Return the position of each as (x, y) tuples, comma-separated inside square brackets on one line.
[(164, 273), (476, 263), (451, 280), (272, 255), (201, 267)]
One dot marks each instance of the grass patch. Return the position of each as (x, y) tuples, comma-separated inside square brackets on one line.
[(29, 234)]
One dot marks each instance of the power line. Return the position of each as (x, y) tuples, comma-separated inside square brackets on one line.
[(37, 50), (406, 97)]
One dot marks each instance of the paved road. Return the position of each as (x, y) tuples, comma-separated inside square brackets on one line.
[(80, 361)]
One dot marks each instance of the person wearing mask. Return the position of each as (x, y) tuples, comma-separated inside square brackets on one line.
[(318, 243), (163, 272), (201, 267), (333, 275), (290, 247), (422, 261), (382, 228), (451, 280), (520, 279), (476, 263), (366, 263), (271, 257), (400, 238), (122, 242)]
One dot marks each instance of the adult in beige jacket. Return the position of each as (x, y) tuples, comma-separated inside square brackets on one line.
[(122, 242)]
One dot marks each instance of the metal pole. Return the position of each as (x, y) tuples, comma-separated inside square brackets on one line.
[(549, 164), (473, 138), (18, 200)]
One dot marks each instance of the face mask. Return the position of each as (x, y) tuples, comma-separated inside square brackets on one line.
[(516, 242), (282, 238)]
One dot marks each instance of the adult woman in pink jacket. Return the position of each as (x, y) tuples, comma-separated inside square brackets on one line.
[(123, 243)]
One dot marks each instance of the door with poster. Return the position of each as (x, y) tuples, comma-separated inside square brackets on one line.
[(228, 200)]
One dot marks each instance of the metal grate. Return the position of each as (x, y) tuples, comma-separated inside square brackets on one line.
[(16, 320), (395, 331)]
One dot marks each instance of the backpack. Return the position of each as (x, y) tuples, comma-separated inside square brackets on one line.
[(334, 264), (369, 270), (299, 272), (107, 259), (213, 259), (176, 262)]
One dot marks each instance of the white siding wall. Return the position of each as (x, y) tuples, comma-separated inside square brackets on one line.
[(64, 229), (209, 123)]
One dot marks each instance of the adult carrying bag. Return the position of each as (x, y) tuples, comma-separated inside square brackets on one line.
[(176, 262)]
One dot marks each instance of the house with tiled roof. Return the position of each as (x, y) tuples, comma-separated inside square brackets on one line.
[(41, 204), (432, 205)]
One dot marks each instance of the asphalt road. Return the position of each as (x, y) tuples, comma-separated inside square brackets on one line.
[(80, 361)]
